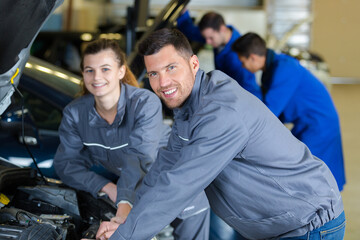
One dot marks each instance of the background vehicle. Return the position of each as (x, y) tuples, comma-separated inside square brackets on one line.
[(46, 90)]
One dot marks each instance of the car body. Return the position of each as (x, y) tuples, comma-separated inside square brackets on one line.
[(46, 90)]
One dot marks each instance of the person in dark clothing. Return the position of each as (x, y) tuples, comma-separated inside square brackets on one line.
[(296, 96)]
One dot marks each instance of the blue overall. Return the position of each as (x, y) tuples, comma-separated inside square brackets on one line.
[(226, 60), (296, 96)]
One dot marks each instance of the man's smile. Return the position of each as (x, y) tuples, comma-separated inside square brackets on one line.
[(170, 92)]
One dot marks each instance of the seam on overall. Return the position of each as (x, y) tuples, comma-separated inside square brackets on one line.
[(333, 229)]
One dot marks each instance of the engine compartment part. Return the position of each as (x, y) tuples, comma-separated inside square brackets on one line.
[(32, 209)]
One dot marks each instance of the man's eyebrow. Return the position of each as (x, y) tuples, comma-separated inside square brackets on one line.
[(165, 67), (149, 72), (173, 63)]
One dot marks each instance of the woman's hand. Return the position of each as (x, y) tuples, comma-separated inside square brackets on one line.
[(111, 190), (121, 213)]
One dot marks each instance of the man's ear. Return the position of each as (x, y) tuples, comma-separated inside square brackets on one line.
[(257, 60), (223, 28), (254, 57), (194, 63)]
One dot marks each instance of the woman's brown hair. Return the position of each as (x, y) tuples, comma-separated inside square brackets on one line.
[(104, 44)]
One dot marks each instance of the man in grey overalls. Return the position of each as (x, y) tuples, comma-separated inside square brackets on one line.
[(258, 177)]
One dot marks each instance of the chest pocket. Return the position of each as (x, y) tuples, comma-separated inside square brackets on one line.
[(97, 152)]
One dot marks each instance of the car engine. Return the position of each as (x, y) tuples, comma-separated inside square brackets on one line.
[(32, 209)]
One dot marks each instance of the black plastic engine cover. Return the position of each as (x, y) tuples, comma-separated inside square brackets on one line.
[(19, 23)]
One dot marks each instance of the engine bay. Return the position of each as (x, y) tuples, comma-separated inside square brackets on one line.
[(32, 209)]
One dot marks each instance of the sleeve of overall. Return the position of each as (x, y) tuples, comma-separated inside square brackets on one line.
[(246, 79), (169, 156), (285, 80), (217, 136), (71, 162), (148, 131), (186, 25)]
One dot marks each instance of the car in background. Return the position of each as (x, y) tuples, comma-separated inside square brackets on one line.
[(46, 90)]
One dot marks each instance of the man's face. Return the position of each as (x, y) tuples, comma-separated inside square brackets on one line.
[(171, 76), (251, 63), (213, 37)]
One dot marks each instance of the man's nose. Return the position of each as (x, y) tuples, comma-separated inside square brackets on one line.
[(164, 80), (209, 40)]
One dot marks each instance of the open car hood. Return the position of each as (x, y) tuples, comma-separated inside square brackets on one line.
[(20, 22)]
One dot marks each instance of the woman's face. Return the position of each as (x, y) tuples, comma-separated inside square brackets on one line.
[(102, 73)]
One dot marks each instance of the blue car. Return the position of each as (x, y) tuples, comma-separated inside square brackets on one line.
[(46, 90)]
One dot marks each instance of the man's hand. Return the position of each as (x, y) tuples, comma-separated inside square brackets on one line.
[(111, 190), (121, 213), (106, 229)]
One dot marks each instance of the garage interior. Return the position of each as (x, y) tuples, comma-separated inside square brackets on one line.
[(328, 28), (333, 34)]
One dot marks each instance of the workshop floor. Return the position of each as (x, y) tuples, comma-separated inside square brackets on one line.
[(347, 100)]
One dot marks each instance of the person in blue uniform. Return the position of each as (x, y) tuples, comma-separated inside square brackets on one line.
[(296, 96), (120, 127), (258, 177), (213, 31)]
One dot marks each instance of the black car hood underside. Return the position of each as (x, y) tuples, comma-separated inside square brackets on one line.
[(20, 22)]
